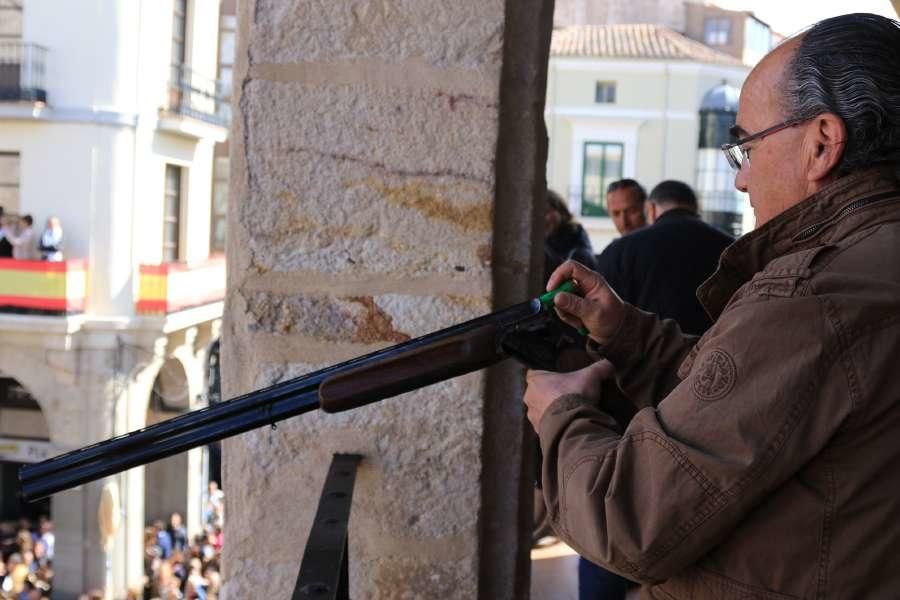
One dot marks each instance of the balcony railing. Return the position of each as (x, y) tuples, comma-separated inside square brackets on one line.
[(22, 72), (171, 287), (42, 287), (197, 96)]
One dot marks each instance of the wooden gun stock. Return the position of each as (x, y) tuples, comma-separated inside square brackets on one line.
[(411, 370)]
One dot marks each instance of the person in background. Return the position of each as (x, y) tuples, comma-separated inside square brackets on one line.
[(564, 238), (197, 584), (17, 572), (45, 535), (625, 205), (50, 244), (178, 533), (163, 539), (24, 244), (6, 247), (213, 506)]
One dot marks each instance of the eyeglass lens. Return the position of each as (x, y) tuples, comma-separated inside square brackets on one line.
[(735, 156)]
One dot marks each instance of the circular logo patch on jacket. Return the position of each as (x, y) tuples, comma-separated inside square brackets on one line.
[(715, 376)]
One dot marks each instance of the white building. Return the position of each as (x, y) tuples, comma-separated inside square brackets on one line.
[(624, 101), (109, 114)]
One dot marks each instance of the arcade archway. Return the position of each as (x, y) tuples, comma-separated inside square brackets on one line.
[(166, 481), (24, 439)]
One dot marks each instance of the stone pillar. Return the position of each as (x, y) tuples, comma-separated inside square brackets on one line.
[(83, 564), (386, 163)]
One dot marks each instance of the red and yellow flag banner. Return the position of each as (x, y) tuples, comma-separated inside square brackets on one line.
[(41, 285)]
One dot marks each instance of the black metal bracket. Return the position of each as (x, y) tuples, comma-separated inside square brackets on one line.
[(323, 570)]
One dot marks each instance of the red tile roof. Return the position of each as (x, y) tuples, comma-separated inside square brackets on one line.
[(633, 41)]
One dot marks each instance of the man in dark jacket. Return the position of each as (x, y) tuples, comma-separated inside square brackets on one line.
[(658, 268)]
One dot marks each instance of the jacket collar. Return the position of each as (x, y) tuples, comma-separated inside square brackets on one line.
[(675, 213), (819, 219)]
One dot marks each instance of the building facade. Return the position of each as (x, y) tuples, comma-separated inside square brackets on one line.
[(109, 115), (669, 13), (624, 101), (738, 33)]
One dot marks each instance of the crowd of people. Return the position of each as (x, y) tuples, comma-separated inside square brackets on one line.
[(177, 567), (18, 239), (26, 571)]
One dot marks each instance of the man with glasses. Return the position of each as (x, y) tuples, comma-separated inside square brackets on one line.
[(765, 458)]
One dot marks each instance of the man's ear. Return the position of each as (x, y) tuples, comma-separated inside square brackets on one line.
[(827, 138), (651, 212)]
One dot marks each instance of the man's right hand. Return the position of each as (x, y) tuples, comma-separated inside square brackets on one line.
[(599, 309)]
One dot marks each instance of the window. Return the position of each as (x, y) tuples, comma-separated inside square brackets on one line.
[(180, 75), (218, 223), (172, 214), (605, 92), (227, 27), (757, 40), (9, 182), (602, 165), (10, 20), (716, 31), (179, 32), (10, 52)]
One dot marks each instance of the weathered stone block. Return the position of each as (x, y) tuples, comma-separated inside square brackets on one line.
[(388, 318), (359, 179), (452, 33)]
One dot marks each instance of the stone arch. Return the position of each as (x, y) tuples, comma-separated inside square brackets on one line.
[(19, 366), (192, 364), (24, 439), (166, 481)]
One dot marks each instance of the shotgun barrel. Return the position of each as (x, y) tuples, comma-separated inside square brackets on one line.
[(530, 332)]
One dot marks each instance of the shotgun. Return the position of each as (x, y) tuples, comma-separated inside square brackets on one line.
[(530, 332)]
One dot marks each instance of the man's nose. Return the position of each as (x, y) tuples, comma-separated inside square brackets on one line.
[(740, 179)]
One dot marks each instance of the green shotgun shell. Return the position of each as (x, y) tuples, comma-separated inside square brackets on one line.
[(568, 286), (547, 299)]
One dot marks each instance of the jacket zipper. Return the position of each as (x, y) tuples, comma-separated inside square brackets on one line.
[(853, 206)]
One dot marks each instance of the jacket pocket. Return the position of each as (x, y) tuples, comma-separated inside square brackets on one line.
[(781, 284), (787, 278)]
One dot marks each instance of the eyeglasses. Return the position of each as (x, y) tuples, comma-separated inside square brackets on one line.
[(736, 154)]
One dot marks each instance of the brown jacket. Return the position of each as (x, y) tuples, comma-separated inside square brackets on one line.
[(765, 462)]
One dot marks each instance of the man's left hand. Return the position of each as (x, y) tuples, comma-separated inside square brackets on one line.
[(543, 387)]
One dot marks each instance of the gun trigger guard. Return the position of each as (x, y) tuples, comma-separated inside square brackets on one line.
[(546, 343)]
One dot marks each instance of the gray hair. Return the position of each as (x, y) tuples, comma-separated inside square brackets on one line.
[(850, 66)]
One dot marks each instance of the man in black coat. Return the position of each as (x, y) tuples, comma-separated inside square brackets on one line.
[(659, 268)]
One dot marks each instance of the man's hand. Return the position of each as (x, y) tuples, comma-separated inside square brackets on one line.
[(543, 387), (599, 310)]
